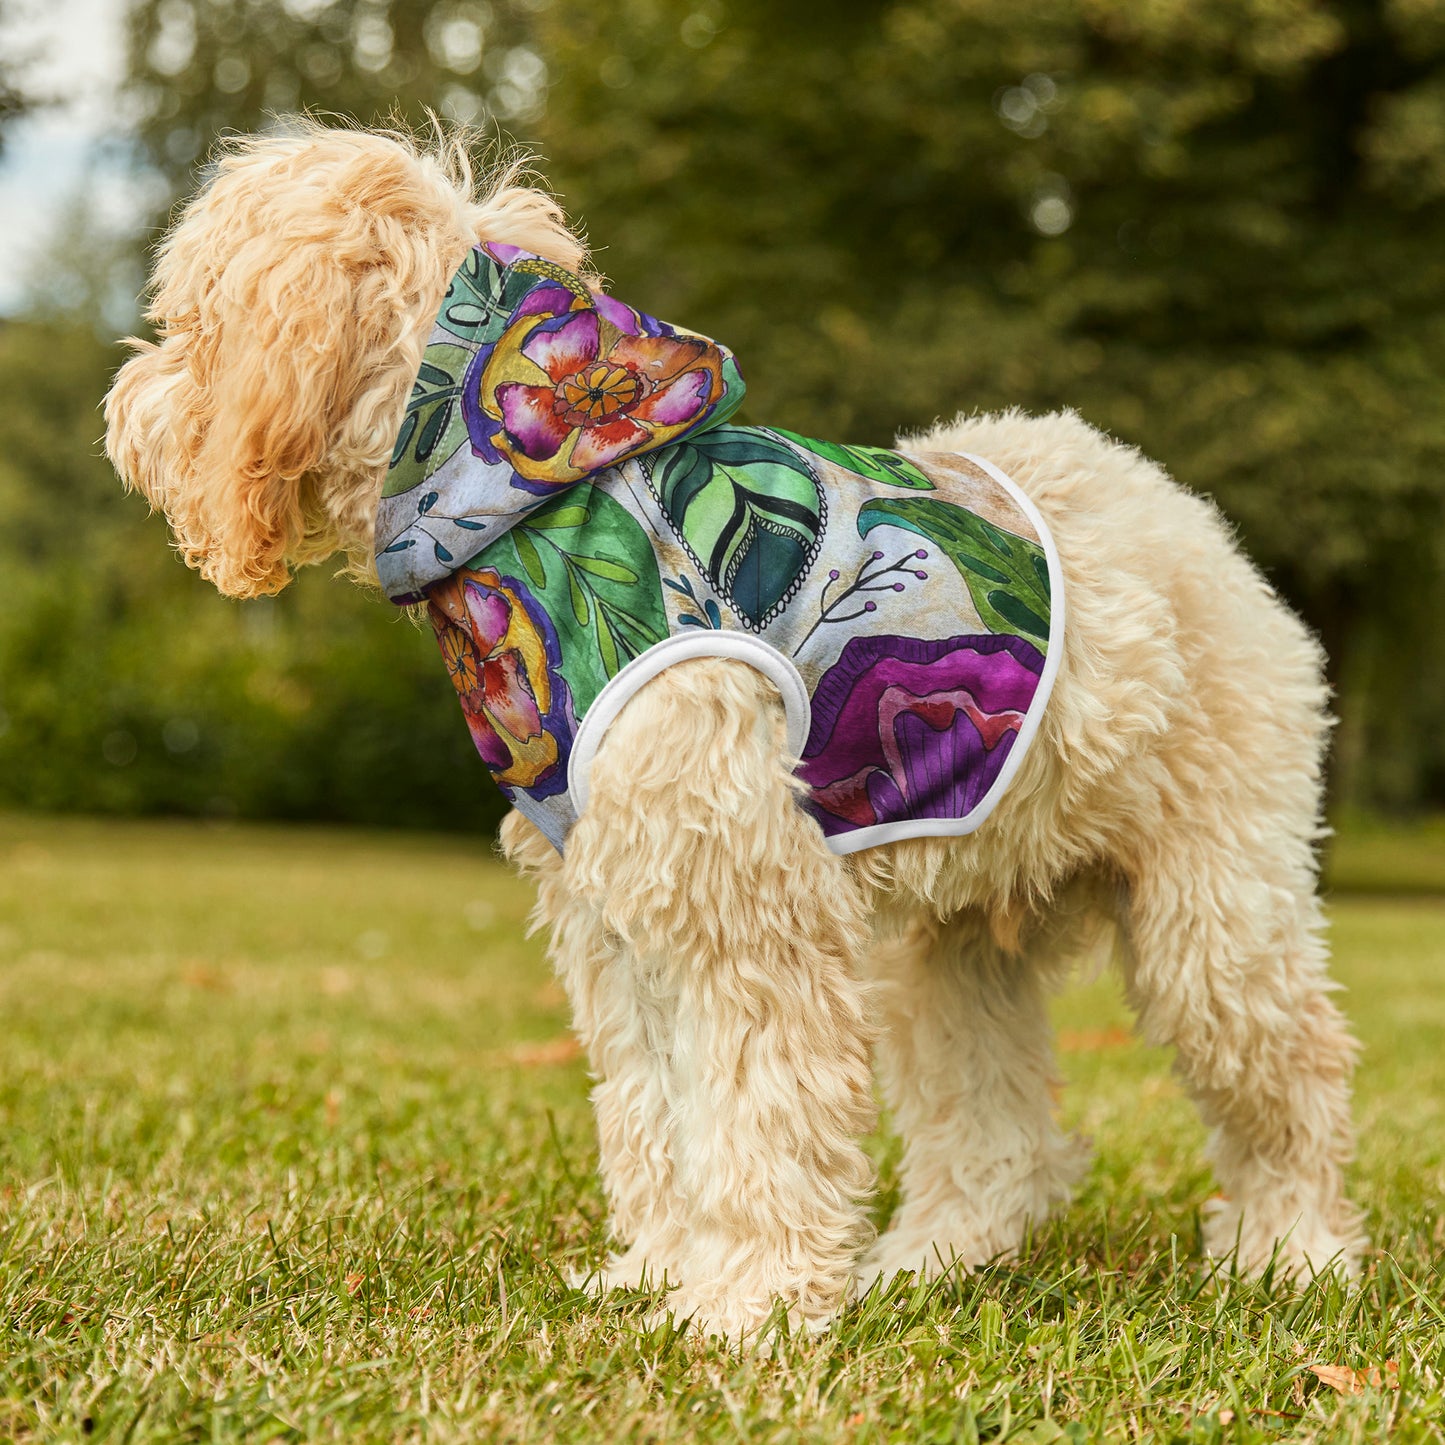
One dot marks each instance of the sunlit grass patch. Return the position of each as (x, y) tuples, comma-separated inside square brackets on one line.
[(293, 1145)]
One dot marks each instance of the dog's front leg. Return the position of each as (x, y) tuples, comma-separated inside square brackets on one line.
[(622, 1012), (742, 931)]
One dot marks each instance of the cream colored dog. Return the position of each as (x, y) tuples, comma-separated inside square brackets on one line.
[(730, 982)]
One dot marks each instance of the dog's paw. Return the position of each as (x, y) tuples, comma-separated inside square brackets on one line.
[(964, 1230), (634, 1270), (1298, 1245), (881, 1273), (752, 1324), (900, 1252)]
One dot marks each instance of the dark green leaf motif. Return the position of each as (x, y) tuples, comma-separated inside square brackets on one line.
[(433, 427), (472, 301), (1007, 575), (479, 302), (878, 464), (748, 508), (592, 566), (483, 295)]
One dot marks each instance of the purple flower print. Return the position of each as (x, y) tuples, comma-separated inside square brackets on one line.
[(503, 658), (576, 383), (904, 729)]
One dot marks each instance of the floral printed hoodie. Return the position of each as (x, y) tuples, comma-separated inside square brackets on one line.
[(570, 500)]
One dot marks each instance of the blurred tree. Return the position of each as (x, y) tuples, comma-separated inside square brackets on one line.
[(127, 685), (1216, 229), (199, 68), (1213, 226), (14, 99)]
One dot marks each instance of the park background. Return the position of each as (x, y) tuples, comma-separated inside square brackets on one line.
[(1216, 229), (295, 1142)]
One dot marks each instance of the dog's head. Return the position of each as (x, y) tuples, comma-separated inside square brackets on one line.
[(292, 302)]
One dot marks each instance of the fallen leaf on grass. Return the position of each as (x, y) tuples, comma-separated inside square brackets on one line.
[(1355, 1382), (1084, 1041), (551, 1051), (354, 1283), (202, 975)]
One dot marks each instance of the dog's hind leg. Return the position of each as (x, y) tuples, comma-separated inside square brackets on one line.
[(966, 1061), (622, 1013), (1226, 959), (1227, 964), (744, 930)]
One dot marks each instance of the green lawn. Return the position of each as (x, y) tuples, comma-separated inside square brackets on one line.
[(292, 1146), (1370, 856)]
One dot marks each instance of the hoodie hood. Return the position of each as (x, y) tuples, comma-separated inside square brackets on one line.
[(532, 382)]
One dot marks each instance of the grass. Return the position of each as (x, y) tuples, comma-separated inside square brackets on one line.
[(1373, 856), (292, 1146)]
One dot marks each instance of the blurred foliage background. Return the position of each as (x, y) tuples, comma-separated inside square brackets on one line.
[(1214, 227)]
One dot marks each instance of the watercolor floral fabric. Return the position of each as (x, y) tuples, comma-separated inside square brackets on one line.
[(502, 655), (567, 492), (911, 729)]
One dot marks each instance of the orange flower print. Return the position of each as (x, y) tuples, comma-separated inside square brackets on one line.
[(502, 655), (577, 383)]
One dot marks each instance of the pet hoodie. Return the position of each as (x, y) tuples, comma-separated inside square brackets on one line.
[(568, 498)]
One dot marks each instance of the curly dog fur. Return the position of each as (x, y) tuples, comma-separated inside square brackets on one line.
[(732, 979)]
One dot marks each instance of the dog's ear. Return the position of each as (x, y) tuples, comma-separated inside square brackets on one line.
[(225, 423), (292, 301), (149, 411), (288, 300)]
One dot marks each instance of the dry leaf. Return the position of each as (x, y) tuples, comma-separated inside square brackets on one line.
[(201, 975), (553, 1051), (1355, 1382), (1088, 1041), (354, 1283)]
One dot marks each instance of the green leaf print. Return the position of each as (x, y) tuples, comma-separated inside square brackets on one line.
[(592, 567), (432, 428), (1006, 575), (471, 302), (483, 295), (877, 464), (531, 562), (748, 508), (601, 567), (549, 519)]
